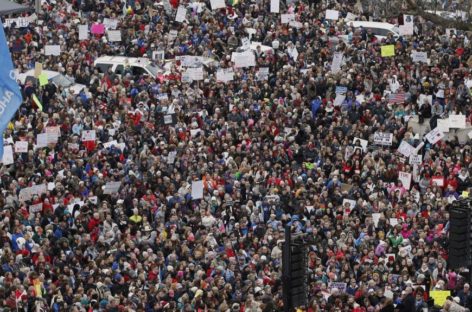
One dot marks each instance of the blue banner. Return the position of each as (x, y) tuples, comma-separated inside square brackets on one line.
[(10, 94)]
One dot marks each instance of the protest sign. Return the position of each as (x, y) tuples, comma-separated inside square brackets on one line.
[(38, 68), (439, 296), (21, 147), (405, 149), (332, 15), (287, 18), (197, 189), (243, 59), (274, 6), (52, 50), (111, 187), (88, 135), (41, 140), (217, 4), (337, 61), (415, 159), (443, 125), (7, 155), (457, 121), (114, 35), (97, 29), (224, 75), (383, 138), (110, 23), (405, 178), (419, 57), (36, 208), (434, 136), (181, 14), (387, 50)]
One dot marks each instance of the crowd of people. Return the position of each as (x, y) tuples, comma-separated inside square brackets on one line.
[(271, 152)]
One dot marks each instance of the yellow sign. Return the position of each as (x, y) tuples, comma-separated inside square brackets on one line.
[(38, 69), (43, 79), (439, 296), (465, 194), (387, 50)]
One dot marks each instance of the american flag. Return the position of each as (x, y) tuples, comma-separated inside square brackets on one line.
[(397, 98)]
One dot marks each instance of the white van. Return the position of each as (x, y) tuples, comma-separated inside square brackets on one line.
[(139, 66), (380, 30)]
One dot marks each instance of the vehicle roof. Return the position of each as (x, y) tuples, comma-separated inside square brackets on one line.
[(371, 24), (122, 60), (30, 73)]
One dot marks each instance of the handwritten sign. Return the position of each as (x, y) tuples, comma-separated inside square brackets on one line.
[(21, 147), (439, 296), (52, 50), (387, 50), (405, 178), (383, 138), (434, 136), (405, 149)]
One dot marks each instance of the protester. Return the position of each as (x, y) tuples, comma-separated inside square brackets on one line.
[(269, 152)]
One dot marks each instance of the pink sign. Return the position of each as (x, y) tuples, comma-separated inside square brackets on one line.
[(97, 29)]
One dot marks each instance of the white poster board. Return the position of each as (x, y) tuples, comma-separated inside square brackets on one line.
[(181, 14), (111, 187), (7, 155), (337, 62), (405, 149), (274, 6), (332, 14), (435, 135), (83, 32), (217, 4), (457, 121), (88, 135), (114, 35), (383, 138), (21, 147), (244, 59), (197, 189), (52, 50)]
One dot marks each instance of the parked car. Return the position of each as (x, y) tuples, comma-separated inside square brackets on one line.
[(55, 77)]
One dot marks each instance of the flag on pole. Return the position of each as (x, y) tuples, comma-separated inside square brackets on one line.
[(37, 102), (10, 94)]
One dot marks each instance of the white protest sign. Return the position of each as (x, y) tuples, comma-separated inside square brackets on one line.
[(295, 24), (405, 30), (274, 6), (224, 75), (41, 140), (337, 62), (36, 208), (287, 18), (28, 192), (111, 187), (20, 22), (243, 59), (197, 189), (443, 125), (376, 218), (419, 57), (110, 23), (405, 149), (88, 135), (363, 143), (350, 17), (195, 73), (83, 32), (158, 55), (217, 4), (338, 101), (171, 157), (52, 50), (7, 155), (457, 121), (415, 159), (383, 138), (181, 14), (245, 43), (332, 14), (21, 147), (263, 73), (434, 136), (114, 35), (405, 178)]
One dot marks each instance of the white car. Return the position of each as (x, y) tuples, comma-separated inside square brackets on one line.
[(139, 66), (380, 30), (55, 77)]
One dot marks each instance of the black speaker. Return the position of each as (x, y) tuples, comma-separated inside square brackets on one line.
[(460, 230)]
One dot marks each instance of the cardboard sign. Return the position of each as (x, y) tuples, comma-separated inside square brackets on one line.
[(38, 69), (337, 62), (181, 14), (387, 50), (383, 138), (243, 59)]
